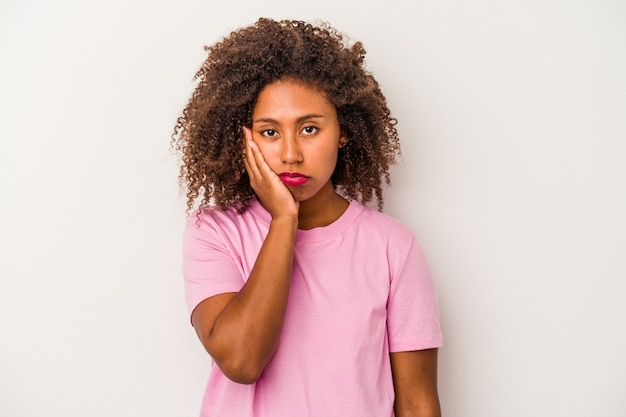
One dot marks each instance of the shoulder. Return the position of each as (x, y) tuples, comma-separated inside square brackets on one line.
[(391, 238), (384, 226), (210, 222), (211, 215), (209, 218)]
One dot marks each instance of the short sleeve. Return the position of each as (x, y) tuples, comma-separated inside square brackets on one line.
[(208, 265), (412, 308)]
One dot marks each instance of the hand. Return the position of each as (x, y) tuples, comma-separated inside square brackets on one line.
[(275, 196)]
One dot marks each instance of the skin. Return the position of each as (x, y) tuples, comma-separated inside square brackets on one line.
[(294, 129), (415, 383)]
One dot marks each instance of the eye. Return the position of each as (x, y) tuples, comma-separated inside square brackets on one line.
[(270, 133), (309, 130)]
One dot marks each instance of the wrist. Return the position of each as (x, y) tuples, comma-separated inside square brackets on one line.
[(284, 220)]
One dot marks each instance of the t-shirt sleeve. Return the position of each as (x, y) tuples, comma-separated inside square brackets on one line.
[(412, 309), (208, 265)]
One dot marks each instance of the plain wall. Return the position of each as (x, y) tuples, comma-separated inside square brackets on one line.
[(513, 122)]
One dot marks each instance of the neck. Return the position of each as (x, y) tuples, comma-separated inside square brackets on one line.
[(322, 209)]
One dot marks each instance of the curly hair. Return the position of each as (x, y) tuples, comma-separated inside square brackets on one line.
[(209, 132)]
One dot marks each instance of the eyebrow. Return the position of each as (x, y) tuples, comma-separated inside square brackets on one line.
[(298, 120)]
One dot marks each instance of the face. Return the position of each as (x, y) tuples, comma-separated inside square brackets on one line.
[(298, 133)]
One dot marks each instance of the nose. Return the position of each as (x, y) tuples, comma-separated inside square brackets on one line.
[(290, 152)]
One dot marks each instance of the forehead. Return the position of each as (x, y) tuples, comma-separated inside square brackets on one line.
[(291, 97)]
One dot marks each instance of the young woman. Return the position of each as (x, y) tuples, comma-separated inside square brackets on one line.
[(309, 303)]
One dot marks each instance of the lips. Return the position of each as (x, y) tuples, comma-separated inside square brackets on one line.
[(293, 179)]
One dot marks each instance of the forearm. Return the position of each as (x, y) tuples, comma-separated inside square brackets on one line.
[(427, 410), (415, 383), (245, 335)]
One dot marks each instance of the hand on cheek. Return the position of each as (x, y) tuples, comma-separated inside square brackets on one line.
[(275, 196)]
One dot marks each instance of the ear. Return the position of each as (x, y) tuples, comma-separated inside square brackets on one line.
[(342, 141)]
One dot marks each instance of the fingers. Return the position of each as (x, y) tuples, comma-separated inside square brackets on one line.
[(267, 186), (254, 160), (247, 133), (248, 154), (258, 161)]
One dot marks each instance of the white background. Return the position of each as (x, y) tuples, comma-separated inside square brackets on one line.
[(513, 121)]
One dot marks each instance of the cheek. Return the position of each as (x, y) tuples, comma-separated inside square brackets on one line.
[(325, 160), (270, 153), (330, 154)]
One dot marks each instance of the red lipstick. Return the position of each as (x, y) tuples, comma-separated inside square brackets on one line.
[(294, 179)]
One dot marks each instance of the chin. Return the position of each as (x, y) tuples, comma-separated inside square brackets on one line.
[(300, 196)]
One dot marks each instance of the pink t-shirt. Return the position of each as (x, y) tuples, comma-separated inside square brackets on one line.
[(360, 289)]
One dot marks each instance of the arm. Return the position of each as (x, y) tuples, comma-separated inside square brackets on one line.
[(415, 383), (240, 330)]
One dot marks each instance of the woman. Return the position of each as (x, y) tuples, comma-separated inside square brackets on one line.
[(309, 302)]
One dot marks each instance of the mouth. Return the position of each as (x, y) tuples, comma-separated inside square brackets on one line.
[(293, 179)]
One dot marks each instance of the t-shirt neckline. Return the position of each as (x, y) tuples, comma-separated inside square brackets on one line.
[(336, 228)]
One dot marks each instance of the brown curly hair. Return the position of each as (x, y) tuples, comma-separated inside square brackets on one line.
[(209, 132)]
